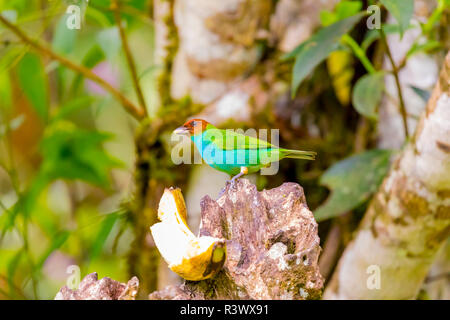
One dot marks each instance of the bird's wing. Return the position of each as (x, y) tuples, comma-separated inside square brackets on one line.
[(229, 140)]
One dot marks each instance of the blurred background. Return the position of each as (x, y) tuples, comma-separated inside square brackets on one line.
[(83, 163)]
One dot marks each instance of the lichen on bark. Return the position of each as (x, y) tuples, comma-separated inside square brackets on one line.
[(408, 221)]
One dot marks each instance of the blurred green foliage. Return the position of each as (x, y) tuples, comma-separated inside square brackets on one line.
[(66, 147)]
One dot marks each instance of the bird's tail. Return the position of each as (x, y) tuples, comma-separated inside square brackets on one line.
[(298, 154)]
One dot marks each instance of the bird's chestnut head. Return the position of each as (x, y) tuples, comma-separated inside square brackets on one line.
[(192, 127)]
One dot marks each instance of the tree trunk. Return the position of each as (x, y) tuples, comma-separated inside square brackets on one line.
[(408, 220)]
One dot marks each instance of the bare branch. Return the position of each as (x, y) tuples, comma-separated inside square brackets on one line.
[(130, 107), (131, 64)]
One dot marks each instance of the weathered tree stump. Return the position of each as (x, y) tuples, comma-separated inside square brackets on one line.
[(272, 246)]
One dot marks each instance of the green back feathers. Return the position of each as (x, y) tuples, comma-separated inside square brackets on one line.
[(230, 140)]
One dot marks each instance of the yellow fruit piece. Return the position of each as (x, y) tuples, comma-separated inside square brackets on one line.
[(193, 258)]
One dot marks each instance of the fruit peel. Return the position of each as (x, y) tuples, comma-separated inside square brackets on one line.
[(193, 258)]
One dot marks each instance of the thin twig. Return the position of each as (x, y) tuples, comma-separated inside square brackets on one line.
[(395, 71), (126, 48), (126, 9), (135, 111)]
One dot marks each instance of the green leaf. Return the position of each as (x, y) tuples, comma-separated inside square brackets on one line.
[(93, 57), (347, 9), (64, 38), (367, 94), (374, 35), (73, 106), (425, 95), (105, 229), (353, 181), (33, 81), (5, 90), (90, 60), (327, 18), (316, 49), (343, 10), (72, 153), (402, 10), (13, 265), (92, 14), (8, 218), (56, 242), (427, 47)]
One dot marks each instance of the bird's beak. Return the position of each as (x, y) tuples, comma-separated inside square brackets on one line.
[(181, 131)]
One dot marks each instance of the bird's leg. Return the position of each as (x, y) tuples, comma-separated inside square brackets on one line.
[(244, 171)]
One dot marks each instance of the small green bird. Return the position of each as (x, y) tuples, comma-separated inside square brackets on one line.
[(234, 153)]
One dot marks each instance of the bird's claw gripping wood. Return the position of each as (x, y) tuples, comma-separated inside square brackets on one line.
[(244, 171)]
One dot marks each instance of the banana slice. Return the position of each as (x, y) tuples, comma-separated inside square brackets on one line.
[(193, 258)]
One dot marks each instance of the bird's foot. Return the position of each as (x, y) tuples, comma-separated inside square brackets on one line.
[(221, 193), (244, 171), (233, 182)]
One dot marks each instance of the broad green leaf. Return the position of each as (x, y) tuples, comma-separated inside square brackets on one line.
[(33, 81), (72, 153), (316, 49), (343, 10), (353, 181), (402, 10), (64, 38), (367, 94), (424, 94)]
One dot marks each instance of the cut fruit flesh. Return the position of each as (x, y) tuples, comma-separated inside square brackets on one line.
[(193, 258)]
